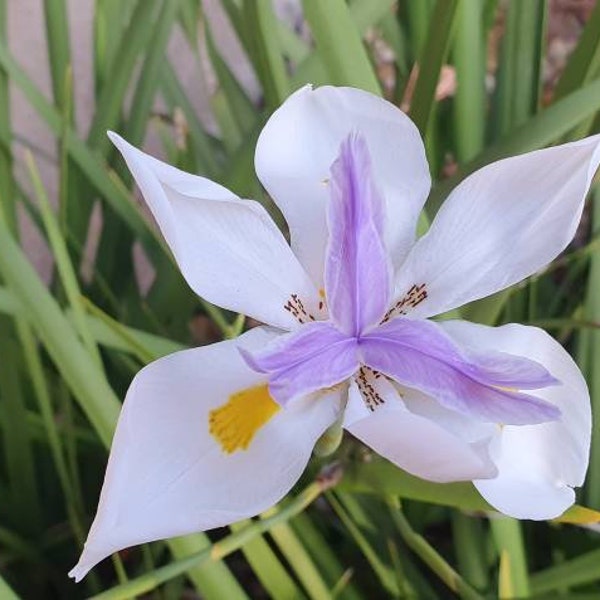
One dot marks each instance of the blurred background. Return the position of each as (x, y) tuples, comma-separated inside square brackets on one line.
[(88, 294)]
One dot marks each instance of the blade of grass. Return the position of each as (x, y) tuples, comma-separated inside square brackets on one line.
[(267, 566), (584, 61), (110, 101), (115, 193), (59, 52), (62, 261), (339, 44), (429, 555), (431, 60), (469, 54), (519, 72), (508, 536), (110, 19), (17, 448), (149, 78), (6, 179), (364, 14), (418, 18), (469, 546), (6, 591), (592, 312), (265, 51), (300, 561), (577, 571), (311, 536), (383, 571)]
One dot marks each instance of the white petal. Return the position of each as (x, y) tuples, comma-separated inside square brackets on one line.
[(301, 140), (500, 225), (537, 464), (229, 250), (414, 443), (167, 476)]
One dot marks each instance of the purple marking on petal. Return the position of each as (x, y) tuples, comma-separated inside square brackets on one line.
[(357, 265), (314, 357), (419, 354)]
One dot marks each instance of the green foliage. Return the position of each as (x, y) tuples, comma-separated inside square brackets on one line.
[(69, 349)]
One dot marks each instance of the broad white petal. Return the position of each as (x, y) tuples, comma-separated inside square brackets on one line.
[(302, 139), (415, 443), (538, 465), (229, 250), (500, 225), (167, 475)]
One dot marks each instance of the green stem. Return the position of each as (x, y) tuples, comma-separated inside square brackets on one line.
[(509, 540), (429, 555)]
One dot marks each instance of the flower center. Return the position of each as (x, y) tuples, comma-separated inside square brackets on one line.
[(235, 423)]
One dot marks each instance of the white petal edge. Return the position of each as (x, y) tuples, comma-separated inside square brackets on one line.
[(538, 465), (414, 443), (500, 225), (229, 250), (167, 476), (301, 140)]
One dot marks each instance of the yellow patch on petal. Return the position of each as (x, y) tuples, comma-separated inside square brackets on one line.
[(235, 423)]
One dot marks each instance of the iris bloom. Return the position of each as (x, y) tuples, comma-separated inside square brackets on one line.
[(215, 434)]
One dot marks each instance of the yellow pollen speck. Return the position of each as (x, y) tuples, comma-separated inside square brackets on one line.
[(235, 423)]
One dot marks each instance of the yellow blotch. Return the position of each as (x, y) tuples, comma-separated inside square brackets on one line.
[(235, 423)]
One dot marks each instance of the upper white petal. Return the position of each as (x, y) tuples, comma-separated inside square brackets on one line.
[(229, 250), (537, 464), (415, 443), (167, 476), (301, 140), (500, 225)]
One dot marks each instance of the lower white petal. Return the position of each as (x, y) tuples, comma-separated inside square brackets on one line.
[(168, 476), (538, 465), (415, 443)]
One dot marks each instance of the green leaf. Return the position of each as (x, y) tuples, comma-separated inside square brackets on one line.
[(581, 570), (59, 53), (519, 79), (584, 61), (432, 59), (508, 536), (470, 102), (266, 50), (339, 44)]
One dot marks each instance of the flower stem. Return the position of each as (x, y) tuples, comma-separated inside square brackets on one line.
[(222, 548), (429, 555)]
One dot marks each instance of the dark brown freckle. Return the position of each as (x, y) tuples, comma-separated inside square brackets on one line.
[(295, 306), (415, 295), (369, 393)]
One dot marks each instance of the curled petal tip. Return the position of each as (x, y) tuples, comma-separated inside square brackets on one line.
[(79, 571)]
